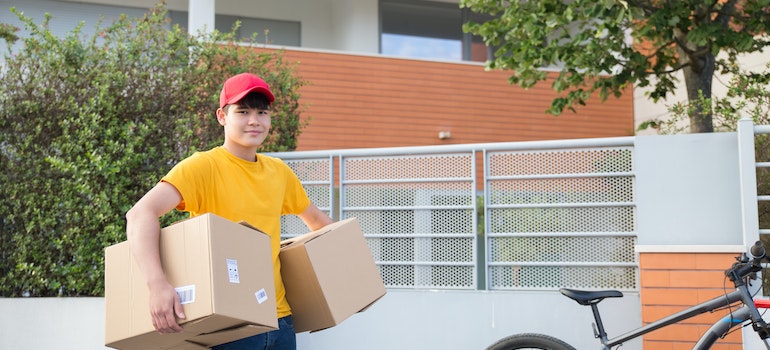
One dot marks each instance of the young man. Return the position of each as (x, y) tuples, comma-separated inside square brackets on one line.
[(231, 181)]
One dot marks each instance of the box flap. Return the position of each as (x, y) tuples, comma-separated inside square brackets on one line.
[(302, 239), (188, 346), (373, 301), (227, 335), (245, 223), (303, 291)]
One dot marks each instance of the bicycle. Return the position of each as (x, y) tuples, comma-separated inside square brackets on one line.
[(740, 273)]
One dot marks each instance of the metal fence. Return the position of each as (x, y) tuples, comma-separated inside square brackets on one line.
[(526, 215), (762, 169)]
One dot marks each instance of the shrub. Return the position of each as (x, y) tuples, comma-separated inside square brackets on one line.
[(88, 124)]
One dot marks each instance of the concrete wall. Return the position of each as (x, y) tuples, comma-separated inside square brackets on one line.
[(403, 319)]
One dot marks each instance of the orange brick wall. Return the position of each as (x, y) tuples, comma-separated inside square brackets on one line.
[(362, 101), (671, 282)]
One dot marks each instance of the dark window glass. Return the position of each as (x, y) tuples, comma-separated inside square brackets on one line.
[(427, 29), (285, 33)]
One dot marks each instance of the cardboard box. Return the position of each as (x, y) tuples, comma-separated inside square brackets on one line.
[(224, 276), (329, 275)]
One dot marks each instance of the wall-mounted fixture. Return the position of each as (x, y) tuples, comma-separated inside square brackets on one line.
[(443, 135)]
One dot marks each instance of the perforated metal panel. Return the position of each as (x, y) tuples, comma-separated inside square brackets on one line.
[(316, 176), (561, 218), (417, 213), (552, 218)]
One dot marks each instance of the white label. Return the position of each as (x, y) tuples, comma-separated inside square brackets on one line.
[(232, 271), (261, 296), (186, 294)]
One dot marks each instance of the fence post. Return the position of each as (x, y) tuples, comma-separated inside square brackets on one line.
[(748, 176), (747, 167)]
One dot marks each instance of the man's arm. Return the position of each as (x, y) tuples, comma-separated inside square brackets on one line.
[(314, 218), (143, 230)]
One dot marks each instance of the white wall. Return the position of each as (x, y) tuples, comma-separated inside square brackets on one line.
[(688, 189), (52, 323), (402, 319), (349, 25)]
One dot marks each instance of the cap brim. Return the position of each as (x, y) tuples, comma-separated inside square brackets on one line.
[(258, 89)]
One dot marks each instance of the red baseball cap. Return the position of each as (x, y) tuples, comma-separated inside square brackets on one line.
[(239, 85)]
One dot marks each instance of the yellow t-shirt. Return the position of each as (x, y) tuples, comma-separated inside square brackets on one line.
[(218, 182)]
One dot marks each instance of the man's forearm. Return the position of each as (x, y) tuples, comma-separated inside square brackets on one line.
[(143, 230)]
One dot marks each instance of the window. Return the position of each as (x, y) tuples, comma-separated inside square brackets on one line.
[(65, 15), (428, 29), (285, 33)]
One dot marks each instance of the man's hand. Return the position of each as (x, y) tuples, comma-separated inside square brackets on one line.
[(165, 307), (143, 230)]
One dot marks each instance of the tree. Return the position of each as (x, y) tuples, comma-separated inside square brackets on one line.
[(603, 46), (88, 124)]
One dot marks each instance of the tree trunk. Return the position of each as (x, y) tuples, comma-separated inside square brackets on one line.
[(699, 84), (698, 77)]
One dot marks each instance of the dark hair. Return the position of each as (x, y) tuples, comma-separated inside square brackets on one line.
[(252, 100)]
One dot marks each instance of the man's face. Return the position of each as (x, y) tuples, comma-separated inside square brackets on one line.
[(244, 127)]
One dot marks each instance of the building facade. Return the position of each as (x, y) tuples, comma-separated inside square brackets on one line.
[(381, 73)]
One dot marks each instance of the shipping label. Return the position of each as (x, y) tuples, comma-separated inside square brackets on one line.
[(261, 296), (232, 271), (186, 294)]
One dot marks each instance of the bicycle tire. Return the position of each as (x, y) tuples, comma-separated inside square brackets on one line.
[(530, 341)]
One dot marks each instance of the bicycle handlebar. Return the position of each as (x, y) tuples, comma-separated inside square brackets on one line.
[(740, 274), (758, 251), (747, 264)]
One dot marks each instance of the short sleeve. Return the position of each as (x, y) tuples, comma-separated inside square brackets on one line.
[(188, 176)]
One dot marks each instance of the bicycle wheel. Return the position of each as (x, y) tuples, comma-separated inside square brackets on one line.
[(530, 341)]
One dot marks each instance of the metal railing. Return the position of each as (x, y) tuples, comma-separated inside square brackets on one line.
[(434, 220), (759, 166)]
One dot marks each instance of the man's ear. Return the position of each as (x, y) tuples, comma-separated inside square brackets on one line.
[(221, 116)]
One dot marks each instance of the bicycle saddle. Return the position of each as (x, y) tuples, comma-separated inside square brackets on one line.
[(585, 297)]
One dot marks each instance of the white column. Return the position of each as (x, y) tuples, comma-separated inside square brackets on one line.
[(747, 167), (748, 175), (201, 16)]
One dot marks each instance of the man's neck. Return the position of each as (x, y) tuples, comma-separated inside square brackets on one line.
[(247, 154)]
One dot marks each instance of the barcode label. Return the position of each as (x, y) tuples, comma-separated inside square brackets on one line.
[(261, 296), (232, 271), (186, 294)]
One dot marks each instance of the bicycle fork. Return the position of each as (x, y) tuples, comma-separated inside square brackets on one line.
[(721, 327)]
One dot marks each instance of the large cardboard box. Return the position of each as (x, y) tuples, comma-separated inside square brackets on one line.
[(222, 272), (329, 275)]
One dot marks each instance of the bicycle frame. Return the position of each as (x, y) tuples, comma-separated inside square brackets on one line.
[(734, 318)]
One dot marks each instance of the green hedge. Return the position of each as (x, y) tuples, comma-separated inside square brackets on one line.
[(88, 124)]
